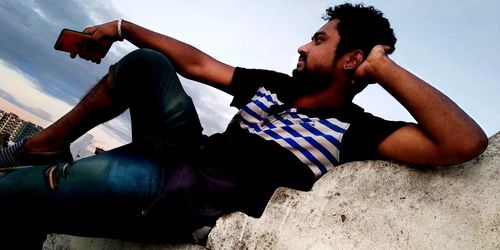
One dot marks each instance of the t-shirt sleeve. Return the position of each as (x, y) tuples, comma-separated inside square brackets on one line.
[(363, 136), (246, 82)]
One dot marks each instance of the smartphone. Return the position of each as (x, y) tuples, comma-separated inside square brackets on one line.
[(81, 43)]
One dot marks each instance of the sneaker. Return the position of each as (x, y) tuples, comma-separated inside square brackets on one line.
[(16, 155)]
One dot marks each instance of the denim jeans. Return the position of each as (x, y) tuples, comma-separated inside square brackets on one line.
[(112, 194)]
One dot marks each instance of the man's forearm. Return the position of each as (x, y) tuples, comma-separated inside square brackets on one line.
[(444, 123), (184, 56), (188, 60)]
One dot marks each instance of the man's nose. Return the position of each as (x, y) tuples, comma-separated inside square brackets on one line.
[(303, 49)]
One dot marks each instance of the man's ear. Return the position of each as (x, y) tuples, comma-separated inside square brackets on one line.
[(353, 59)]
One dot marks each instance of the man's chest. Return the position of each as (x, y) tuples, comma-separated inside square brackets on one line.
[(314, 141)]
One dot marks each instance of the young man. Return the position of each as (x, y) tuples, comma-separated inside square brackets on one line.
[(289, 131)]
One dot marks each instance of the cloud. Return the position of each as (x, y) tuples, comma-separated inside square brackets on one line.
[(111, 134), (120, 127), (40, 80), (212, 106), (20, 90), (33, 110), (29, 30)]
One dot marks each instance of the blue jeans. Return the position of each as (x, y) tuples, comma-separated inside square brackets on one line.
[(129, 192)]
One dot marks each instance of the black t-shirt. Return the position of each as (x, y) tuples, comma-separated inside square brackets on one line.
[(259, 155), (359, 141)]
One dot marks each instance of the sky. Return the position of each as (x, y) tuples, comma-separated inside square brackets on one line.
[(452, 44)]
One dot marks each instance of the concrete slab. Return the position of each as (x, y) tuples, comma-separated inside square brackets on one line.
[(67, 242), (379, 205)]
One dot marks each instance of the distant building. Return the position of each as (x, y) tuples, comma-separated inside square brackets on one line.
[(14, 129), (27, 130), (10, 124), (80, 147)]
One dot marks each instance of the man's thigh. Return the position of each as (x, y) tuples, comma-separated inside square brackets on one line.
[(111, 194), (122, 181)]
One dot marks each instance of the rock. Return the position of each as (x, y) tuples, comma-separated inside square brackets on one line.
[(379, 205), (372, 204), (67, 242)]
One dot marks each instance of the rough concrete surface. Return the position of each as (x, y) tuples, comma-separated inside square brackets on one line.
[(364, 205), (63, 242)]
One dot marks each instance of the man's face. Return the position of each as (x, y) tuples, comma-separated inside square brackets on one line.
[(316, 66), (318, 55)]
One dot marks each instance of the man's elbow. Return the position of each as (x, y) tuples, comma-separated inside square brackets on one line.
[(467, 149), (477, 147)]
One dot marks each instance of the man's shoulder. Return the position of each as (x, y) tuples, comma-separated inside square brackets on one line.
[(246, 83)]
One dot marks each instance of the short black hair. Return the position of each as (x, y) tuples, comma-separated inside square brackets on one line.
[(360, 27)]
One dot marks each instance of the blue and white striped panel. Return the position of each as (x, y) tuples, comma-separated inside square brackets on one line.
[(253, 114), (316, 142)]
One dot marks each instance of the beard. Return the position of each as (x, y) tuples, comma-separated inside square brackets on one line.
[(306, 82)]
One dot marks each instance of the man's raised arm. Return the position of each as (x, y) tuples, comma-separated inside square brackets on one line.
[(444, 135), (188, 60)]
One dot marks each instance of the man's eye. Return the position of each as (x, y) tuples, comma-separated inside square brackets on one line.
[(317, 39)]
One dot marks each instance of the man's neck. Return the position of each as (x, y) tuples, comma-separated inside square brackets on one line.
[(335, 96)]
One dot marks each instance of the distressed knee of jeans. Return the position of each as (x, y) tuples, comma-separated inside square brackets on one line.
[(53, 174), (51, 177)]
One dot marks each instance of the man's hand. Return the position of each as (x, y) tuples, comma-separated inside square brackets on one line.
[(366, 73), (106, 33)]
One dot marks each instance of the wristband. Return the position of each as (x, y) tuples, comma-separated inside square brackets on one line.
[(119, 29)]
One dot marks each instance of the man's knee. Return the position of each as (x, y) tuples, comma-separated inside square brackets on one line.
[(137, 68), (145, 59)]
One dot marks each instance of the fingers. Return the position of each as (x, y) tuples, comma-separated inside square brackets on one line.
[(95, 32), (87, 58), (92, 59), (104, 35), (106, 30), (89, 30)]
